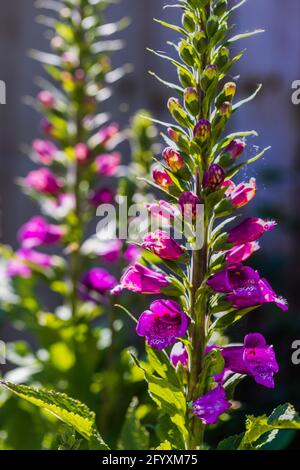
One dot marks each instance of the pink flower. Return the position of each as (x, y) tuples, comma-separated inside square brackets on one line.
[(110, 250), (235, 148), (189, 204), (46, 99), (37, 231), (19, 266), (82, 153), (162, 209), (132, 254), (162, 178), (173, 158), (241, 253), (96, 283), (107, 164), (43, 181), (160, 243), (102, 196), (45, 150), (107, 133), (179, 354), (139, 278), (241, 194), (249, 230)]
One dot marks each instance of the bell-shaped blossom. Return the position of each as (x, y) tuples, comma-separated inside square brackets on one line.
[(43, 181), (37, 231), (210, 406), (162, 245), (139, 278), (108, 164), (241, 194), (24, 262), (249, 230), (179, 355), (241, 253), (96, 282)]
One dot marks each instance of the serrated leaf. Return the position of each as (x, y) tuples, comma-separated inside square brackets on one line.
[(134, 436)]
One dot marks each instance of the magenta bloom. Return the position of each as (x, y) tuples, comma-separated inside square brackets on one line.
[(241, 253), (95, 282), (46, 99), (82, 153), (43, 181), (139, 278), (179, 354), (18, 267), (107, 133), (188, 203), (132, 254), (162, 209), (162, 178), (102, 196), (249, 230), (244, 288), (108, 164), (110, 250), (254, 358), (46, 126), (45, 150), (209, 407), (235, 148), (213, 177), (160, 243), (173, 158), (241, 194), (163, 324), (37, 231)]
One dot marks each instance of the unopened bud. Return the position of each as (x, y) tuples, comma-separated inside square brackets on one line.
[(220, 8), (233, 150), (188, 22), (162, 178), (200, 41), (213, 177), (212, 26), (222, 58), (173, 158), (226, 109), (186, 53), (185, 77), (202, 130), (192, 101), (230, 89), (177, 111), (209, 74)]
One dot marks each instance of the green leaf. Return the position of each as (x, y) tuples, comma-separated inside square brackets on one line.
[(178, 29), (229, 318), (173, 86), (70, 411), (167, 431), (164, 446), (230, 443), (134, 436), (237, 168), (244, 36), (247, 100)]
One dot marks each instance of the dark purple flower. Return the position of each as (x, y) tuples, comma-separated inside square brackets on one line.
[(189, 204), (235, 148), (241, 253), (108, 164), (179, 354), (139, 278), (254, 358), (95, 282), (163, 324), (233, 277), (249, 230), (213, 177), (37, 231), (102, 196), (209, 407), (202, 130)]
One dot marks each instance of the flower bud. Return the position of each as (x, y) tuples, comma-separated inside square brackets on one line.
[(177, 111), (229, 89), (202, 130), (162, 178), (179, 138), (47, 126), (220, 8), (185, 77), (226, 109), (188, 22), (212, 26), (213, 177), (188, 203), (186, 53), (82, 152), (222, 58), (46, 99), (210, 72), (200, 41), (173, 159), (178, 355), (192, 100)]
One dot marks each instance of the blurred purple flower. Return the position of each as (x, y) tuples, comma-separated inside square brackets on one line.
[(209, 407), (45, 150), (96, 281), (37, 231), (102, 196), (107, 164), (43, 181)]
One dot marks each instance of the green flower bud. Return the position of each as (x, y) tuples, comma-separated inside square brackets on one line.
[(226, 109), (192, 100), (230, 89), (200, 41), (186, 53), (186, 78), (188, 22), (198, 3), (212, 26), (177, 112), (222, 58), (220, 8), (210, 73)]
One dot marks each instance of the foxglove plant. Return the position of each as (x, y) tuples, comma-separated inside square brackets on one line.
[(194, 384)]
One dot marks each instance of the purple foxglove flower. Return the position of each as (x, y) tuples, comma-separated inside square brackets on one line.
[(179, 354), (213, 177), (17, 268), (59, 207), (162, 178), (139, 278), (188, 203), (162, 209), (160, 243), (241, 194), (43, 181), (173, 158), (202, 130), (107, 133), (102, 196), (241, 253), (37, 231), (110, 251), (45, 150), (235, 148), (132, 254), (82, 153), (233, 277), (209, 407), (163, 324), (249, 230), (108, 164), (46, 99), (96, 282), (254, 358)]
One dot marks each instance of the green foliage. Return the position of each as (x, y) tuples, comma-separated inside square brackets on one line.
[(134, 436)]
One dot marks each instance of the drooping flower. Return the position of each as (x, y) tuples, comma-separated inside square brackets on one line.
[(163, 323), (43, 181), (139, 278), (17, 268), (254, 358), (241, 253), (162, 178), (108, 164), (249, 230), (173, 158), (162, 245), (37, 231), (210, 406), (45, 150), (110, 250), (189, 203), (241, 194), (179, 354), (107, 133), (102, 196), (213, 177), (95, 282), (46, 99), (244, 288), (82, 152)]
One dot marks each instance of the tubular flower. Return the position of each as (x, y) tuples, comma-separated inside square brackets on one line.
[(108, 164), (163, 324), (254, 358), (43, 181), (160, 243), (209, 407), (139, 278), (249, 230), (132, 254), (179, 354), (241, 253), (188, 203), (241, 194), (162, 209), (244, 288), (37, 231), (96, 282), (19, 266), (45, 150), (162, 178)]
